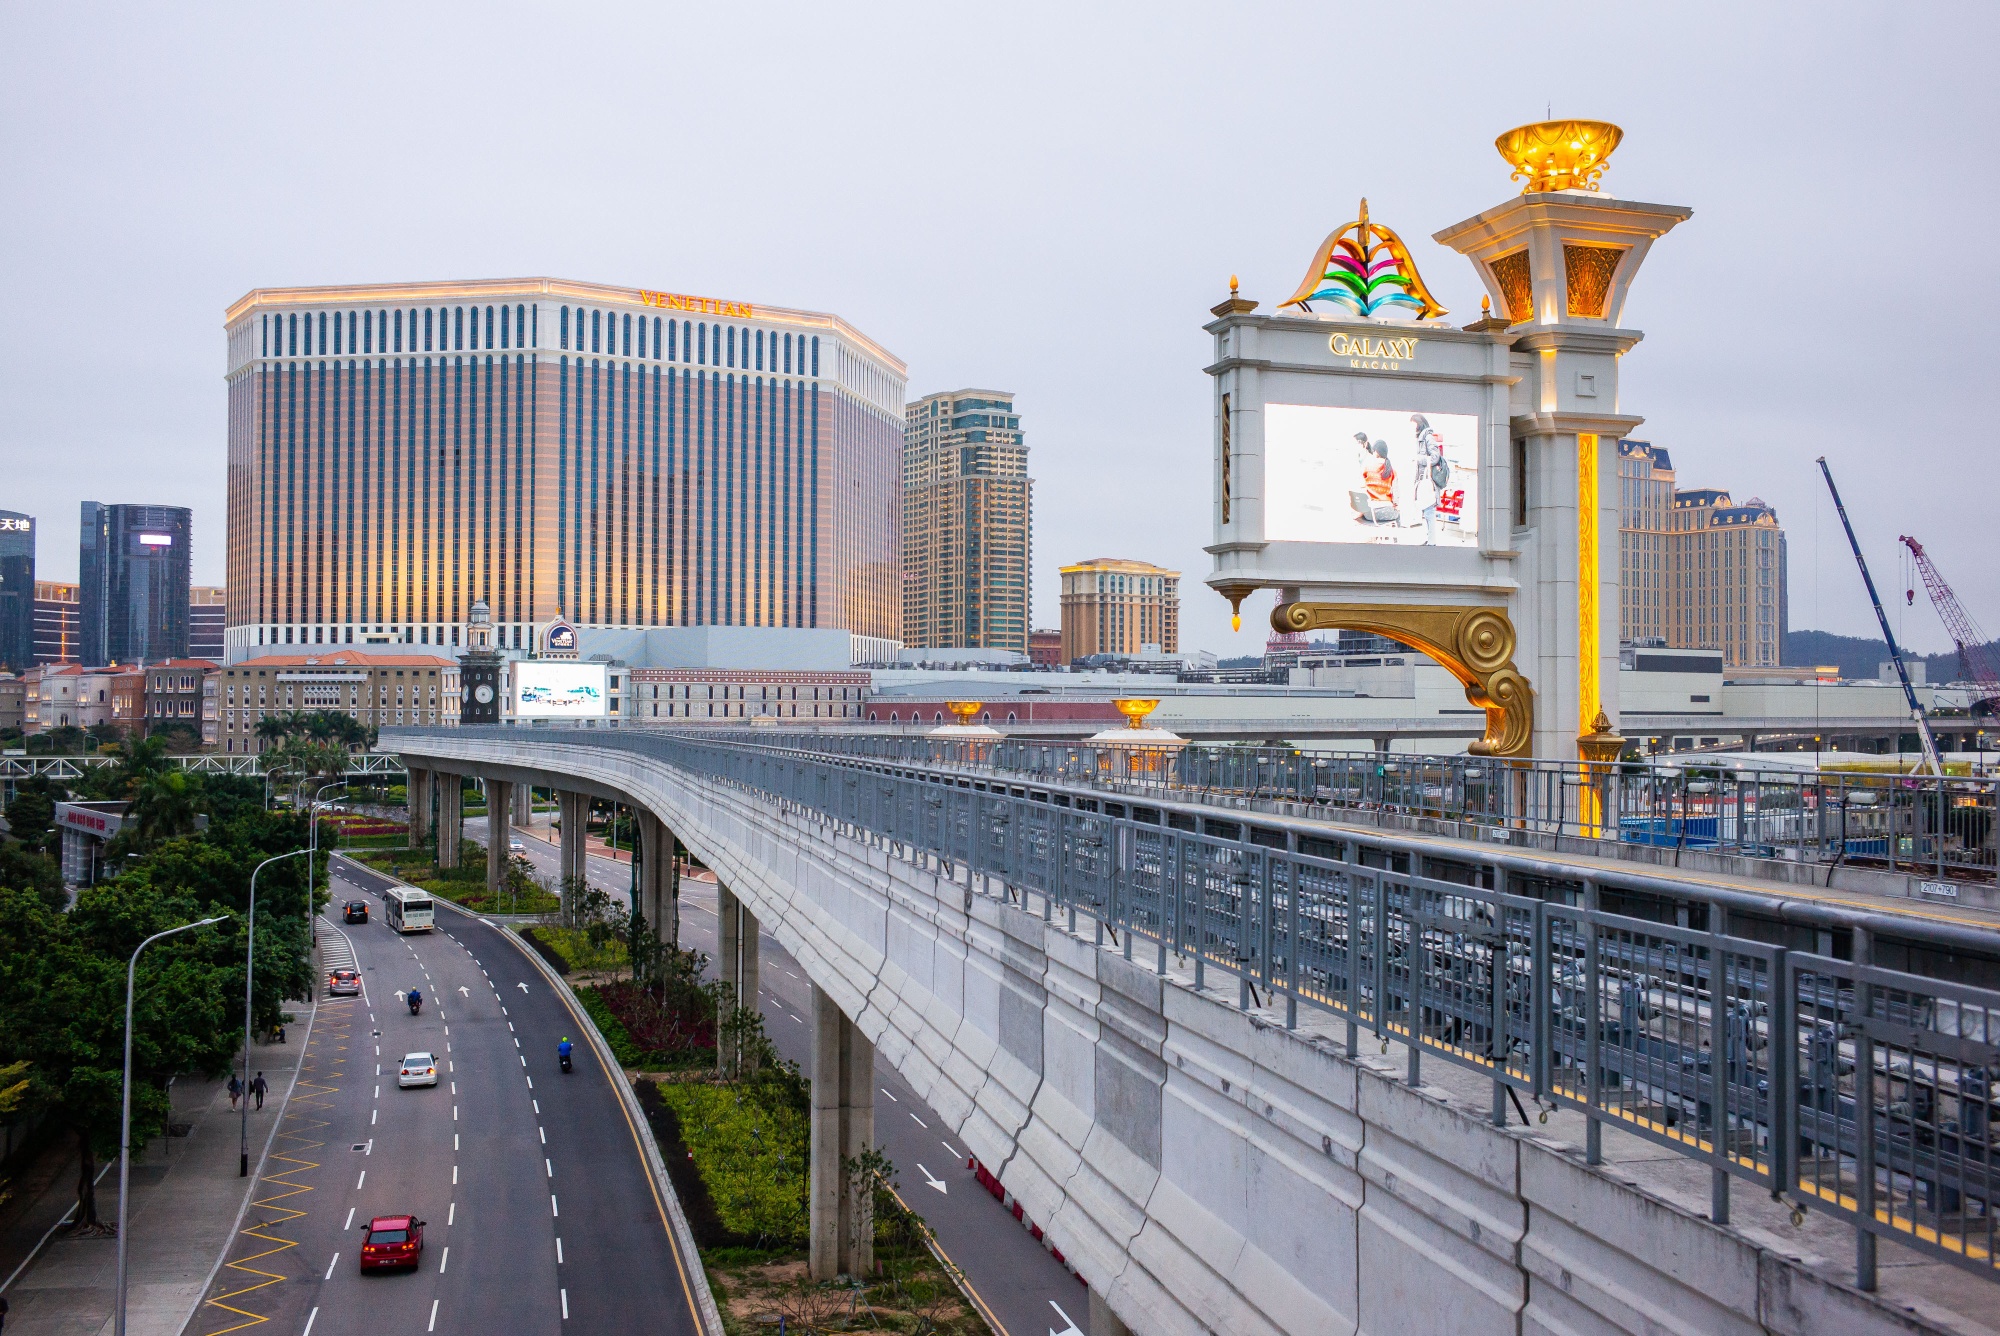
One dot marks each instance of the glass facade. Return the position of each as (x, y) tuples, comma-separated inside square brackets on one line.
[(17, 592), (640, 472), (133, 568)]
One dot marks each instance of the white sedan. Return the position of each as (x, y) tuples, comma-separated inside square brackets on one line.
[(419, 1069)]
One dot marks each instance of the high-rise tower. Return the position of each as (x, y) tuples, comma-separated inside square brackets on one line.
[(967, 511)]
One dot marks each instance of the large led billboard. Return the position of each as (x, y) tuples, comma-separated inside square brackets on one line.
[(551, 690), (1370, 475)]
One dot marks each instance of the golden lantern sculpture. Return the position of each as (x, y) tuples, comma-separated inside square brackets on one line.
[(1559, 155), (965, 709), (1135, 711)]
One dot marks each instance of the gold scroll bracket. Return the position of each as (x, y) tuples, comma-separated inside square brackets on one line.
[(1475, 644)]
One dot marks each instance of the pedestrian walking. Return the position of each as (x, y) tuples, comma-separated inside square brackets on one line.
[(235, 1090), (258, 1087)]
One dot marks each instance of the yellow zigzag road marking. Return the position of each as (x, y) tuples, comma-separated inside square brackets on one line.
[(307, 1094)]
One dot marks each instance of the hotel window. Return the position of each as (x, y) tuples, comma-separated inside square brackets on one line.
[(565, 326), (489, 327), (701, 343), (673, 343), (732, 345), (788, 358), (642, 335), (815, 371), (656, 337), (627, 322), (292, 338), (687, 341), (458, 329), (760, 350), (368, 331), (597, 331), (399, 331), (428, 317)]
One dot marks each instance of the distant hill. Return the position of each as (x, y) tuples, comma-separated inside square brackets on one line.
[(1859, 656)]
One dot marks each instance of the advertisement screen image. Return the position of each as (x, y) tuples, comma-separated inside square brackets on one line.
[(1370, 475), (560, 690)]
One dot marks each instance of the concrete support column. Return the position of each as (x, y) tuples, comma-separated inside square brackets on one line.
[(574, 810), (524, 804), (450, 818), (499, 832), (418, 789), (840, 1212), (659, 877), (1104, 1322)]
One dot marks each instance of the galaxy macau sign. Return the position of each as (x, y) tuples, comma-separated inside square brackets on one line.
[(1464, 503)]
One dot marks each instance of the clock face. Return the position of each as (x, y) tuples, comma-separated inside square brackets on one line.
[(483, 694)]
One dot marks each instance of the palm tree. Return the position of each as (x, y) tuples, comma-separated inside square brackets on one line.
[(166, 806), (276, 726), (139, 760)]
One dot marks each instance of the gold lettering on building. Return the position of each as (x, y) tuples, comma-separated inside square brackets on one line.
[(677, 301), (1370, 353)]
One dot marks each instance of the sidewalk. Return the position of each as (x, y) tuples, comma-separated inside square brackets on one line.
[(185, 1199)]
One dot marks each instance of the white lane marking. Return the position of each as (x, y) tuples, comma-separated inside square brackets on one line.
[(503, 1010), (445, 1260), (371, 1148), (517, 1042), (937, 1183), (454, 1087), (310, 1319), (350, 1215), (538, 1107), (1069, 1323), (920, 1122), (378, 1069), (800, 1019), (372, 1113), (454, 1175), (359, 1181), (543, 1133), (565, 1299), (454, 1141), (450, 1215), (559, 1260), (549, 1165), (378, 1092), (955, 1153), (510, 1029), (524, 1058), (454, 1113), (531, 1080), (330, 1266), (522, 986), (553, 1209), (434, 1316), (892, 1098)]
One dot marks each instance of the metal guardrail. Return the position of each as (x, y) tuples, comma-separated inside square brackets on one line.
[(1836, 1085), (206, 763), (1924, 825)]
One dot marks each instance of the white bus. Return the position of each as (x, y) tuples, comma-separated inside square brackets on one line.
[(407, 909)]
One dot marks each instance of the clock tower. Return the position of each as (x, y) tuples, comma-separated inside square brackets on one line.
[(479, 671)]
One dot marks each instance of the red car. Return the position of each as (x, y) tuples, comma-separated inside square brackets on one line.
[(393, 1241)]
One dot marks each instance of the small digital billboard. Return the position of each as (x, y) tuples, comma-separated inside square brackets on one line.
[(545, 690), (1370, 475)]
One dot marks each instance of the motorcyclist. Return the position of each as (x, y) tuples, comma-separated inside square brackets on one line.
[(563, 1052), (416, 1000)]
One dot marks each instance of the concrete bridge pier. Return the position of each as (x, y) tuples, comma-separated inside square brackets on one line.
[(450, 818), (736, 966), (574, 811), (840, 1210), (1104, 1322), (418, 790), (524, 804), (659, 877), (499, 832)]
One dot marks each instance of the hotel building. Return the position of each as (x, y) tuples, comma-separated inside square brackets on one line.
[(1698, 571), (378, 690), (617, 457), (1119, 607), (967, 509)]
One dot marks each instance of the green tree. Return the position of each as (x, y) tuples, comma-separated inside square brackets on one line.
[(165, 806), (32, 814), (62, 1010), (23, 869)]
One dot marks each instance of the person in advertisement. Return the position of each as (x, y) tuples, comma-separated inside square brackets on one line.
[(1433, 473), (1376, 501)]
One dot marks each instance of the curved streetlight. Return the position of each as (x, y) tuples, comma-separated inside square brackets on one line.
[(125, 1103), (249, 969)]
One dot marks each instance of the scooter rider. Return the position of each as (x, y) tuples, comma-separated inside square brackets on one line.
[(563, 1052), (416, 1000)]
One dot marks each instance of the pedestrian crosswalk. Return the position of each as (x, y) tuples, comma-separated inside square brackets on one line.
[(335, 951)]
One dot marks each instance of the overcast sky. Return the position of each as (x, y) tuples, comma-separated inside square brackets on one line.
[(1043, 200)]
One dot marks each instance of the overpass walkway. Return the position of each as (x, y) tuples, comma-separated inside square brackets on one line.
[(1148, 1014)]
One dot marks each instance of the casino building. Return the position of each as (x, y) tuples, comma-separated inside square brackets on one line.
[(617, 457)]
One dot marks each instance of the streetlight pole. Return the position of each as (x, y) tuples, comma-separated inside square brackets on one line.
[(249, 972), (125, 1104)]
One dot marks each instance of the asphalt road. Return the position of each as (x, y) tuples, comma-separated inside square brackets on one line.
[(542, 1214), (1024, 1290)]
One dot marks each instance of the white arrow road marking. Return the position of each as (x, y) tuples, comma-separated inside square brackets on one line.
[(523, 987), (1069, 1323), (463, 991), (937, 1183)]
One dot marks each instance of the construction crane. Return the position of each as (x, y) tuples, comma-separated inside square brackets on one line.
[(1882, 619), (1975, 665)]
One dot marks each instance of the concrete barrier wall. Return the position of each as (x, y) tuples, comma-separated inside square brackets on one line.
[(1203, 1168)]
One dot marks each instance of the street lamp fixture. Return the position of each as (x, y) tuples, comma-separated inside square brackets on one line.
[(125, 1104)]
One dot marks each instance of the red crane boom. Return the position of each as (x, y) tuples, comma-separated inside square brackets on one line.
[(1974, 663)]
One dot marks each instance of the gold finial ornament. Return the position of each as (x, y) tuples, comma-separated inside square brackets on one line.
[(1135, 711), (964, 709), (1559, 155), (1232, 285)]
